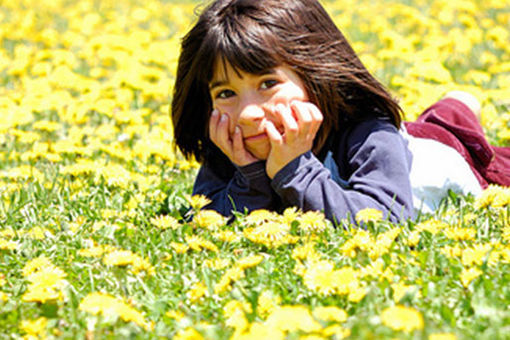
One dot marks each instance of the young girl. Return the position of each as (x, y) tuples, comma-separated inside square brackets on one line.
[(274, 102)]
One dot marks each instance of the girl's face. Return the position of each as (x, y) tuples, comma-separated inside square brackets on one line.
[(249, 100)]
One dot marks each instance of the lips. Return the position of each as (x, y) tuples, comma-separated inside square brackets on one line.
[(255, 137), (262, 135)]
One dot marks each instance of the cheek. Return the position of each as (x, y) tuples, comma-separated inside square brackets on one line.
[(227, 109), (291, 93)]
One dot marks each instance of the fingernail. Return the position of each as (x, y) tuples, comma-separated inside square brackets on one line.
[(214, 113), (223, 118), (238, 130)]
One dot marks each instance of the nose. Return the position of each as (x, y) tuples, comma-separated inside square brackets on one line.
[(251, 110), (250, 114)]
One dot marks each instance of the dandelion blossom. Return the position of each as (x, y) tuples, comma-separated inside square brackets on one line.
[(209, 219), (368, 215), (101, 303), (401, 318), (468, 275), (198, 201), (293, 318), (330, 313)]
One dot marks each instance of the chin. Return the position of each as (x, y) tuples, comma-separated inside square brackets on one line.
[(260, 149), (260, 154)]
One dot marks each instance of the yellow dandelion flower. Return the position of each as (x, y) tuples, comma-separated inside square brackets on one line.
[(356, 292), (312, 337), (475, 255), (249, 261), (197, 291), (209, 219), (188, 334), (38, 233), (331, 313), (290, 215), (449, 251), (8, 244), (401, 318), (493, 195), (35, 327), (7, 233), (217, 263), (400, 289), (36, 265), (3, 297), (270, 234), (94, 251), (506, 233), (227, 236), (231, 275), (414, 238), (468, 275), (347, 281), (363, 240), (142, 265), (198, 243), (198, 201), (432, 226), (260, 216), (45, 284), (312, 221), (238, 321), (101, 303), (232, 306), (306, 252), (165, 222), (176, 315), (368, 215), (442, 336), (321, 277), (267, 303), (293, 318), (119, 258), (469, 218), (179, 248), (259, 330), (460, 234), (337, 331)]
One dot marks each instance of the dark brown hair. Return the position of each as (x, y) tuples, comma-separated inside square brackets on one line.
[(257, 35)]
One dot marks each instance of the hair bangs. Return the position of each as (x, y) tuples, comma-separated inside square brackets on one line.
[(245, 46)]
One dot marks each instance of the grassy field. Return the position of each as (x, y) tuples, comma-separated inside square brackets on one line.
[(92, 193)]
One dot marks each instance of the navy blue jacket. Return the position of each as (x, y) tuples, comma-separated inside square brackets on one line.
[(364, 166)]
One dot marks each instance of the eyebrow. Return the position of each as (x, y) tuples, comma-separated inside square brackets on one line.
[(223, 82)]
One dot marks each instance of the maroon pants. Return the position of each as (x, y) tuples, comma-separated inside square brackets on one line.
[(451, 122)]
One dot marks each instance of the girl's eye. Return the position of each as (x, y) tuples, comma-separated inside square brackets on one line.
[(267, 84), (225, 94)]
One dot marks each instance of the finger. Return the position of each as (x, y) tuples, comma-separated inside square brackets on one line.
[(290, 125), (317, 118), (223, 136), (213, 124), (275, 138), (237, 143), (303, 117)]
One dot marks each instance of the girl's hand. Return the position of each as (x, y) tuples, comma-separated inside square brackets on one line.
[(232, 146), (301, 121)]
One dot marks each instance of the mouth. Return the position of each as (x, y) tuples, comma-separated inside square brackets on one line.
[(263, 134), (256, 137)]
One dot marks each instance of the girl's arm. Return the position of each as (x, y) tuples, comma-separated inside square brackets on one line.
[(249, 188), (377, 165)]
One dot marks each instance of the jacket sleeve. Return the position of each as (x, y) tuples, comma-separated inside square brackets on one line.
[(248, 189), (377, 161)]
